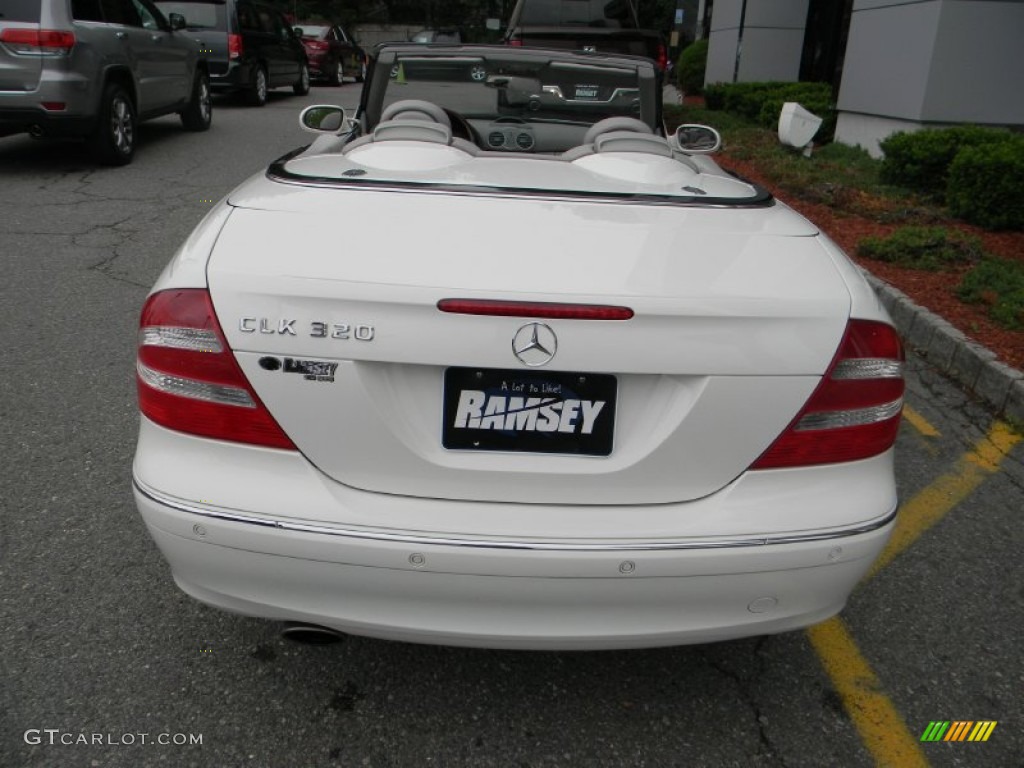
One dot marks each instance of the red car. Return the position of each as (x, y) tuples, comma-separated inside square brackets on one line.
[(333, 54)]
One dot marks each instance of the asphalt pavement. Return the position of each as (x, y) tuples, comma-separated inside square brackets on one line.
[(101, 650)]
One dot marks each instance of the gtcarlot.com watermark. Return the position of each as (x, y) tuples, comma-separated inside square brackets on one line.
[(57, 737)]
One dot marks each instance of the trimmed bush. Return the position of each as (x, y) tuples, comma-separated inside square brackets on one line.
[(930, 248), (690, 69), (714, 97), (921, 160), (817, 100), (999, 283), (762, 102), (986, 185)]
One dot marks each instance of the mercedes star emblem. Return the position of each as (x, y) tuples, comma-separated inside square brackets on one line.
[(534, 344)]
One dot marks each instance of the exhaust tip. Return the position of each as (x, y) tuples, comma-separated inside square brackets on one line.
[(36, 131), (310, 634)]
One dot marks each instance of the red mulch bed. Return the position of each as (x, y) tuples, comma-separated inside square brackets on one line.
[(934, 290)]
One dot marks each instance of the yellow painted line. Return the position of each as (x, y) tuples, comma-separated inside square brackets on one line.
[(993, 448), (919, 422), (933, 502), (880, 726)]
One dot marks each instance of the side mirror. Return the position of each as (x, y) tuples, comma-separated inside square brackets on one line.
[(177, 21), (697, 139), (322, 118), (298, 31)]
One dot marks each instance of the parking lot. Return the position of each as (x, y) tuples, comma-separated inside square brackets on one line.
[(98, 641)]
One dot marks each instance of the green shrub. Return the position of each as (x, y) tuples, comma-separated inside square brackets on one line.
[(690, 68), (762, 102), (814, 97), (930, 248), (921, 160), (986, 185), (714, 97), (999, 283), (745, 99)]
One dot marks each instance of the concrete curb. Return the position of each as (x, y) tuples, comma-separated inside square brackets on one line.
[(965, 361)]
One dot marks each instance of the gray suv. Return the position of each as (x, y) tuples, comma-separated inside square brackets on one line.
[(95, 68)]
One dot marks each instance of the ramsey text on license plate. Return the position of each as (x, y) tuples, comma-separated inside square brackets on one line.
[(551, 412)]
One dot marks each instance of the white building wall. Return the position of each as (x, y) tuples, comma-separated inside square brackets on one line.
[(978, 63), (723, 41), (756, 40), (888, 58), (914, 63)]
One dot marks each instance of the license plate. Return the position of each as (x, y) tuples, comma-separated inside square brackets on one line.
[(487, 409), (586, 92)]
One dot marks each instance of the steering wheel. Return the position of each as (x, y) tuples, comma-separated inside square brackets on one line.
[(461, 127)]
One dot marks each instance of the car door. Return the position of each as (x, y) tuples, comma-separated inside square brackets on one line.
[(346, 50), (140, 51), (273, 48), (289, 47), (171, 55)]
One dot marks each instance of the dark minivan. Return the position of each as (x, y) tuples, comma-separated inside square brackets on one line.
[(609, 26), (250, 47)]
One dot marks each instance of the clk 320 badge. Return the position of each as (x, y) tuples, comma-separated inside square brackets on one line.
[(318, 329)]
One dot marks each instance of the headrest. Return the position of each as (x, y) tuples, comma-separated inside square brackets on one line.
[(415, 109), (610, 124), (628, 141), (412, 130)]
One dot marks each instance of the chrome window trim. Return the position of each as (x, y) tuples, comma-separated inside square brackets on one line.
[(448, 541)]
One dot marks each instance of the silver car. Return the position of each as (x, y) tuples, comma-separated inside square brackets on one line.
[(95, 68)]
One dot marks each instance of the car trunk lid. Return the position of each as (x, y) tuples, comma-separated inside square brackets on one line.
[(329, 299), (19, 72)]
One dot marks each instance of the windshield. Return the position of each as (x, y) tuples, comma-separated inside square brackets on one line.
[(586, 13), (313, 30), (197, 15), (20, 10), (538, 89)]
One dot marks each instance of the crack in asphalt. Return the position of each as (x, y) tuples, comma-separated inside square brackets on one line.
[(766, 748)]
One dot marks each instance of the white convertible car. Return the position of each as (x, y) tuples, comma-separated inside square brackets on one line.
[(496, 362)]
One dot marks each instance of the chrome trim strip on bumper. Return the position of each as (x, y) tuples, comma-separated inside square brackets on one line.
[(447, 541)]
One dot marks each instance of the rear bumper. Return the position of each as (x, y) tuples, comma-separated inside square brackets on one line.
[(233, 76), (317, 63), (45, 123), (509, 594)]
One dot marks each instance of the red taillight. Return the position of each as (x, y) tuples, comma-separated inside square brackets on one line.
[(317, 45), (38, 42), (545, 309), (234, 46), (515, 42), (855, 411), (188, 379), (662, 57)]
